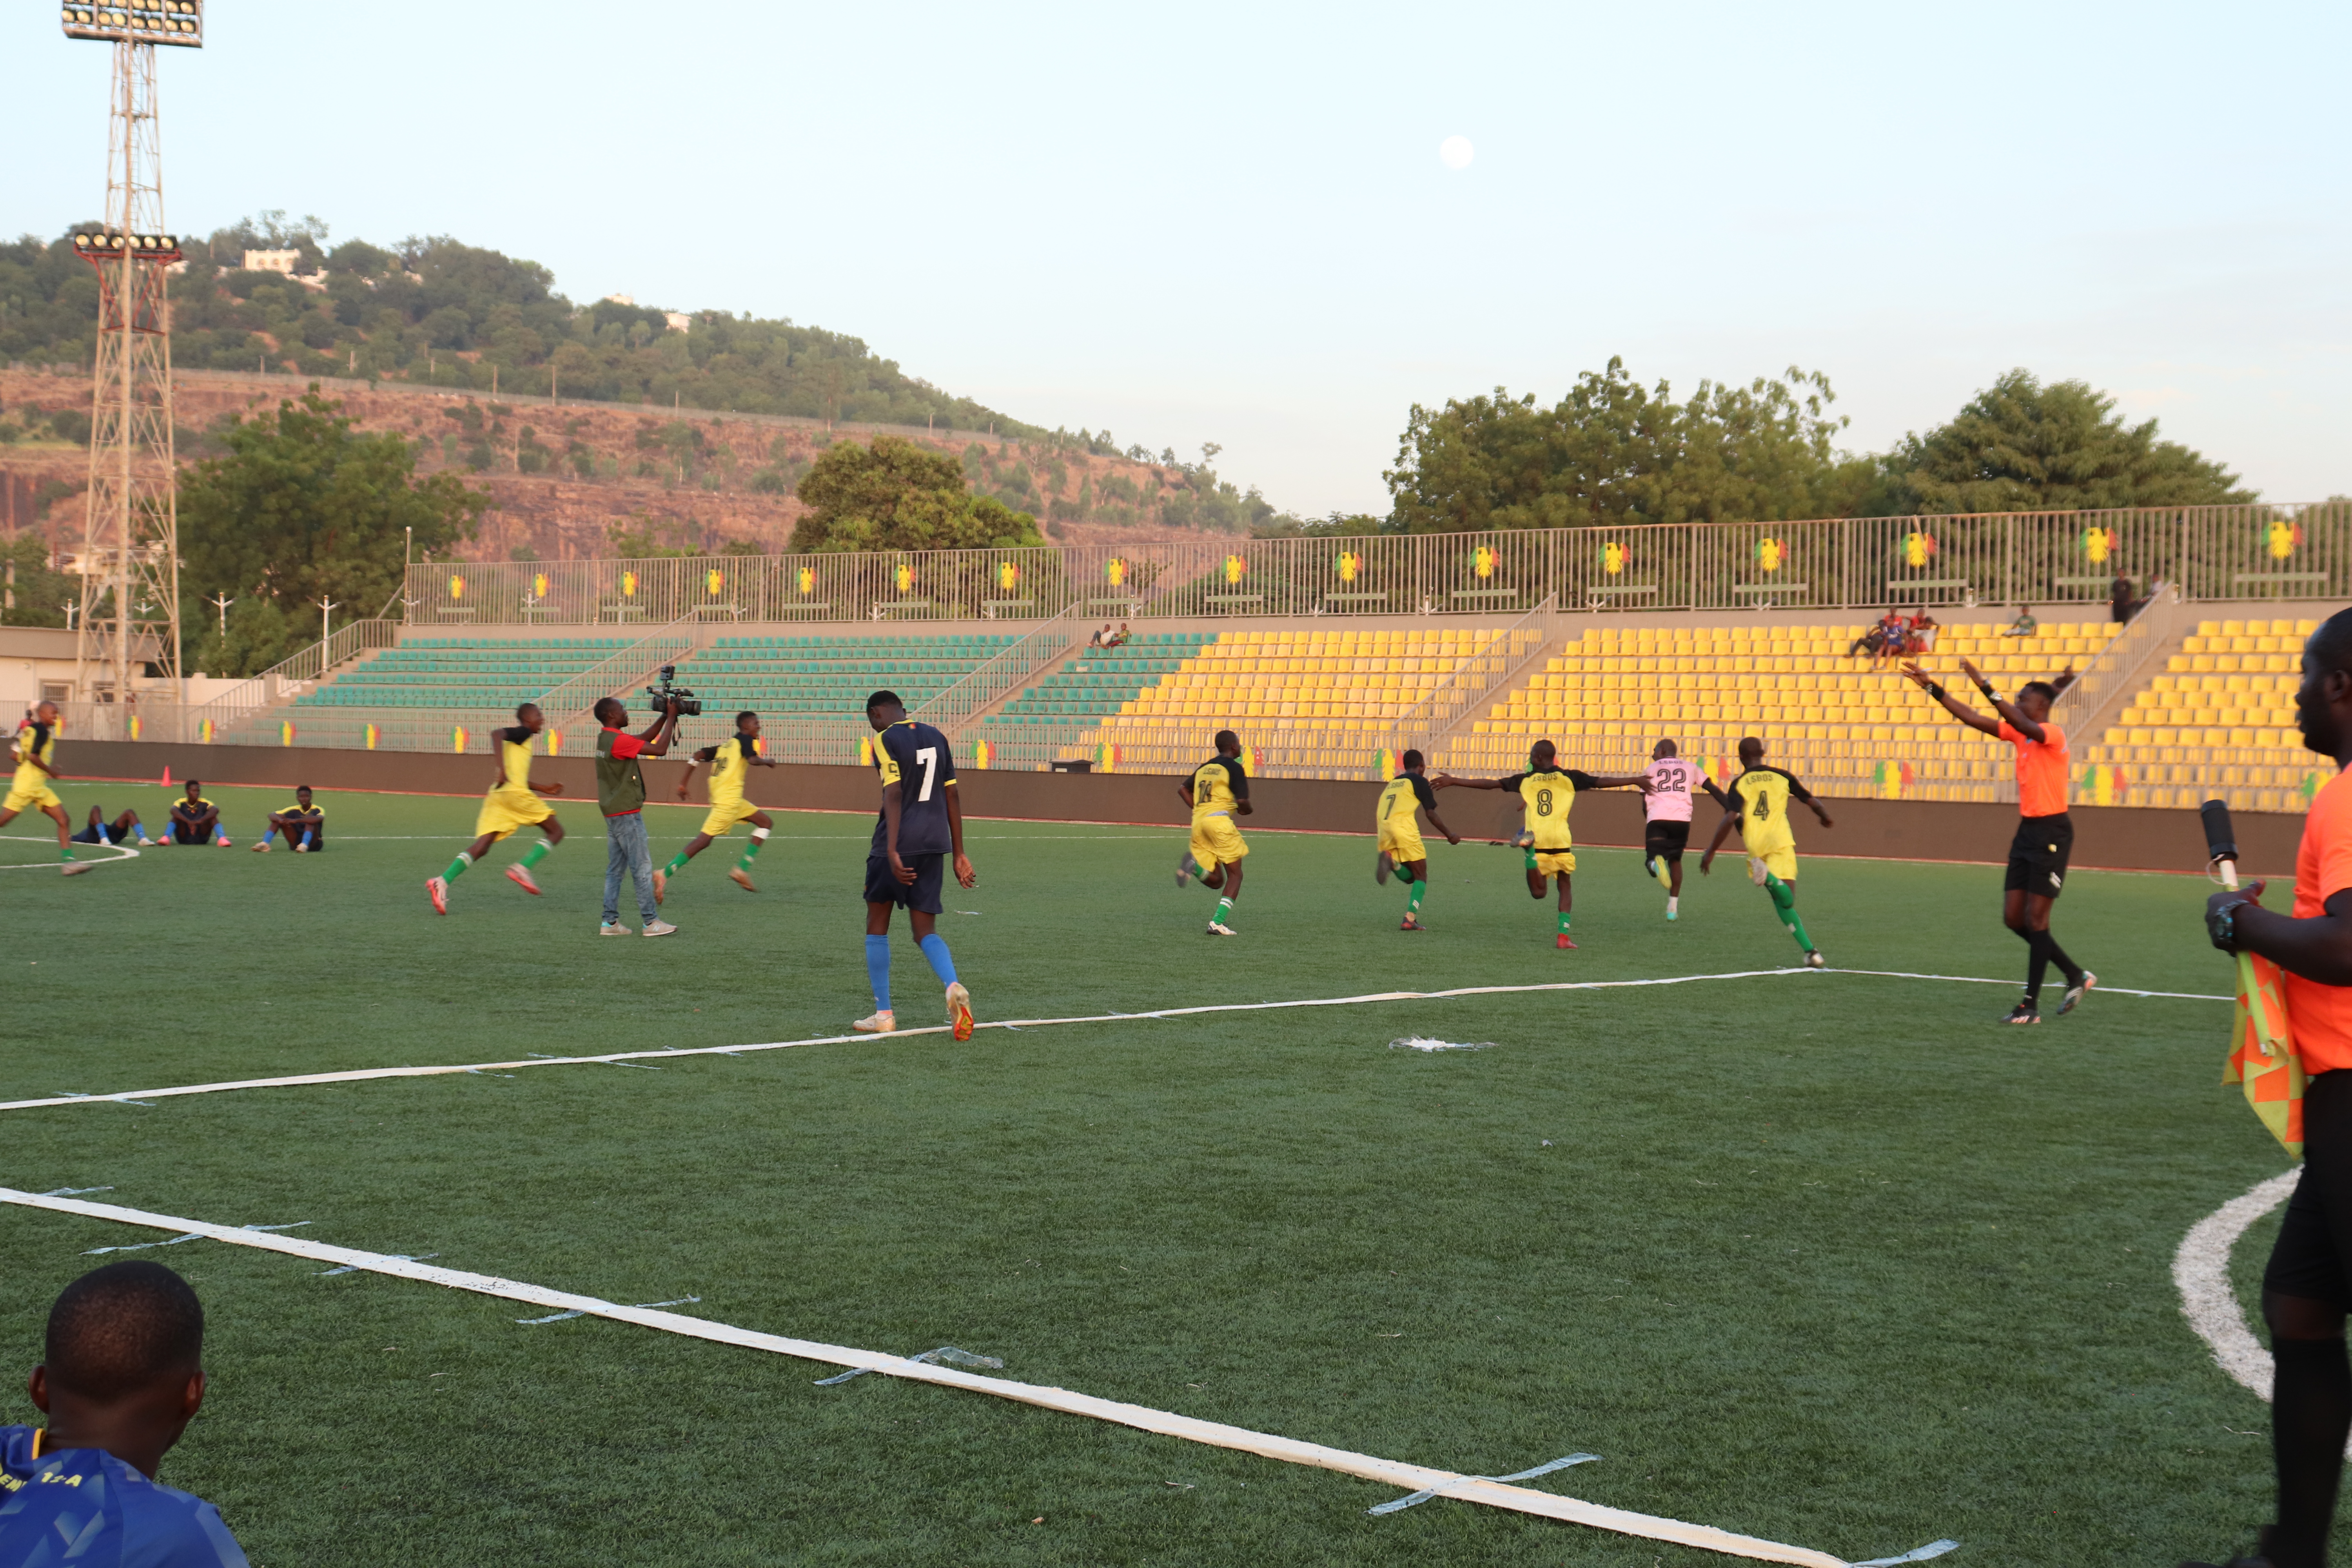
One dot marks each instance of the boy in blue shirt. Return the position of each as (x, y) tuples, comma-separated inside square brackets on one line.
[(122, 1377)]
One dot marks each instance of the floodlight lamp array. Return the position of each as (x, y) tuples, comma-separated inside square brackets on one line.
[(180, 22), (140, 246)]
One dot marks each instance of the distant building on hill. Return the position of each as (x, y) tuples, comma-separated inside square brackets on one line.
[(678, 319), (273, 261)]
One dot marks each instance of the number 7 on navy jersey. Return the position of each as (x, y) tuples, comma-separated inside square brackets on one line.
[(929, 757)]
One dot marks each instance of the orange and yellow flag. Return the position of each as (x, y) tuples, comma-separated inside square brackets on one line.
[(2262, 1055)]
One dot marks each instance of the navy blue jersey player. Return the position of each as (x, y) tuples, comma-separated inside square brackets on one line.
[(920, 826)]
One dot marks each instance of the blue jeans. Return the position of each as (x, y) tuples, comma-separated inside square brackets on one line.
[(625, 847)]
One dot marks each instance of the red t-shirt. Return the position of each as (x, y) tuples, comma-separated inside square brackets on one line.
[(626, 745), (2041, 769), (2322, 1015)]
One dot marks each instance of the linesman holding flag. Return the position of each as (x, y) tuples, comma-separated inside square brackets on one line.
[(2307, 1284)]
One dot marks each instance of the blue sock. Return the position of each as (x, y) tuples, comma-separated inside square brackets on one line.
[(265, 833), (935, 948), (306, 834), (878, 969)]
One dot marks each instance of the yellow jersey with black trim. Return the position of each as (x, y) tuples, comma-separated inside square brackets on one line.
[(1761, 796), (1218, 785), (1404, 795), (514, 759), (36, 743), (730, 767), (1546, 796)]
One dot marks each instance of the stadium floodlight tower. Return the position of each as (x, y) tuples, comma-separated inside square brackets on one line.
[(130, 560)]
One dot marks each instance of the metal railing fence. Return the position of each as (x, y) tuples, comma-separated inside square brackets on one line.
[(2222, 553), (2115, 671)]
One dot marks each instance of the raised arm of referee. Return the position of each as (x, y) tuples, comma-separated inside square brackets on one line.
[(2308, 1284)]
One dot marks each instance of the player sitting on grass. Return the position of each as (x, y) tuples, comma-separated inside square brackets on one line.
[(1401, 847), (1217, 792), (304, 825), (920, 825), (120, 1378), (36, 750), (1759, 802), (1666, 788), (1546, 791), (731, 761), (99, 831), (196, 820), (511, 804)]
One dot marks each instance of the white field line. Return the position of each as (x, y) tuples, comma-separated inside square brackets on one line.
[(122, 852), (1391, 1472), (362, 1075), (2200, 1270)]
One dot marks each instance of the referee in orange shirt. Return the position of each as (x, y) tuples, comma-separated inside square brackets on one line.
[(2045, 834), (2307, 1284)]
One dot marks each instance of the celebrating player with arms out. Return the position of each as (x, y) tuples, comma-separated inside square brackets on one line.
[(36, 750), (731, 761), (1546, 791), (1666, 785), (1401, 847), (2045, 834), (1759, 802), (920, 825), (511, 804), (1217, 792)]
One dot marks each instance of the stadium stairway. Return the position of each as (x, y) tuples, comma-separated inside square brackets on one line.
[(1849, 725), (2219, 723), (1094, 683), (785, 677)]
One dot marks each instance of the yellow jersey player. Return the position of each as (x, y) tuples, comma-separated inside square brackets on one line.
[(511, 804), (731, 761), (36, 752), (1217, 792), (1402, 799), (1758, 801), (1546, 793)]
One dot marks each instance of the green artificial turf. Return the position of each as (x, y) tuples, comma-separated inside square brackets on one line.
[(1828, 1259)]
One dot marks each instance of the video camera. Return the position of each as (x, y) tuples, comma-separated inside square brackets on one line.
[(669, 691)]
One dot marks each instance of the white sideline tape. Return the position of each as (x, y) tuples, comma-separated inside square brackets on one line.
[(361, 1075), (1417, 1499), (122, 852), (1391, 1472), (2200, 1271)]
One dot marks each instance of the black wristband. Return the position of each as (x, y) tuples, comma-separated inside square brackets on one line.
[(1935, 691), (1986, 686)]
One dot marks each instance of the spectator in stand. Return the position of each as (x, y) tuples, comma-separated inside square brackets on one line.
[(2025, 626), (2064, 680), (1100, 638), (1923, 633), (1123, 639), (120, 1378), (2123, 600), (1873, 643), (196, 820), (97, 831)]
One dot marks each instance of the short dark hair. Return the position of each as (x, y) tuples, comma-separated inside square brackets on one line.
[(882, 700), (747, 713), (301, 789), (523, 708), (1543, 749), (1227, 738), (2049, 692), (1413, 760), (1750, 743), (614, 703), (121, 1328), (2331, 646), (194, 784)]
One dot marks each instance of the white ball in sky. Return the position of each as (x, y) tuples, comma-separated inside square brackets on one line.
[(1456, 151)]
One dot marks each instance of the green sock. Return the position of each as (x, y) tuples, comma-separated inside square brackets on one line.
[(1784, 904), (1531, 859), (1563, 922), (458, 866), (537, 853), (1224, 908), (750, 852), (676, 864), (65, 854), (1412, 900)]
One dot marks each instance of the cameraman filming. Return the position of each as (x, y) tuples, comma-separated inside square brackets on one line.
[(2307, 1284), (621, 796)]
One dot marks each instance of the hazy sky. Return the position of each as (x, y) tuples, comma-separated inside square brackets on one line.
[(1214, 222)]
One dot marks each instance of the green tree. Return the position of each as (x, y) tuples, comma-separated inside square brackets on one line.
[(1615, 451), (40, 593), (895, 495), (302, 508), (2021, 446)]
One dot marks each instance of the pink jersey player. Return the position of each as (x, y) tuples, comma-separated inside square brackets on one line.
[(1671, 781)]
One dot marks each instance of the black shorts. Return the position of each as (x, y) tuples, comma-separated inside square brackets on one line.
[(293, 835), (2315, 1238), (1666, 840), (184, 834), (882, 888), (2037, 856)]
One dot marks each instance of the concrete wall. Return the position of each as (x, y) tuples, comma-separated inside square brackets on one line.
[(2105, 837)]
